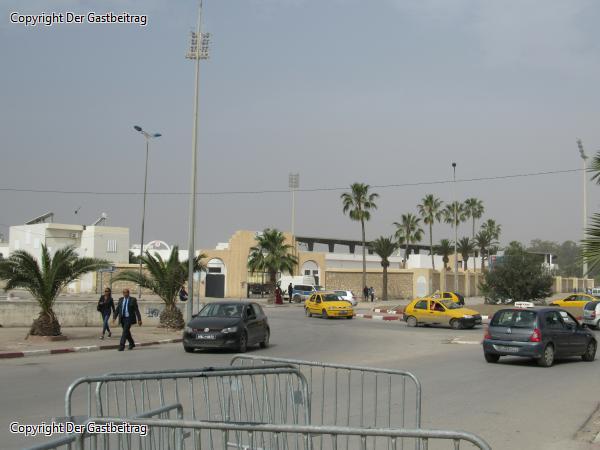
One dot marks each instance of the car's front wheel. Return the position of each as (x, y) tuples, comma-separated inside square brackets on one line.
[(265, 342), (243, 345), (547, 358), (296, 299), (411, 321), (590, 352), (349, 317), (455, 324), (308, 313), (188, 349), (324, 314), (491, 358)]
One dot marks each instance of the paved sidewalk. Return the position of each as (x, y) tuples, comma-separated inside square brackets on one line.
[(80, 339)]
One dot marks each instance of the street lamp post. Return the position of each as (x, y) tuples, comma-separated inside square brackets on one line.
[(294, 183), (455, 228), (147, 136), (584, 158), (198, 51)]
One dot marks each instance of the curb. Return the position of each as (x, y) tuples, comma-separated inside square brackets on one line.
[(375, 317), (388, 311), (81, 349)]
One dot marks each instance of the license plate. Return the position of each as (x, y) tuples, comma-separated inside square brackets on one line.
[(504, 348), (206, 336), (341, 312)]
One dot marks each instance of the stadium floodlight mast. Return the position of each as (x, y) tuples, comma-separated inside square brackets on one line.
[(294, 183), (198, 50), (455, 228), (147, 136), (584, 157)]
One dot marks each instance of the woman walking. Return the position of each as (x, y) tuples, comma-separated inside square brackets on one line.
[(106, 307)]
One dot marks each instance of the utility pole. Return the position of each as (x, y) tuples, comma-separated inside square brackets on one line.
[(198, 50), (584, 157), (294, 183), (455, 228)]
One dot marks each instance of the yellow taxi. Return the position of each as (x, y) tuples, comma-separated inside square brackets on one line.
[(454, 296), (574, 301), (328, 305), (430, 311)]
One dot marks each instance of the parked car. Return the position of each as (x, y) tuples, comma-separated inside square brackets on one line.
[(591, 314), (226, 324), (541, 333), (327, 304), (301, 292), (454, 296), (574, 301), (428, 311), (348, 296)]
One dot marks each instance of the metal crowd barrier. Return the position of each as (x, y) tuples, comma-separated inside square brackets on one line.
[(270, 394), (248, 436), (354, 396)]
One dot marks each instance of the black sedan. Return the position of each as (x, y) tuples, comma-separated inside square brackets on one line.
[(543, 334), (227, 324)]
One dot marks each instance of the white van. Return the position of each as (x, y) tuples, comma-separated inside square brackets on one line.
[(596, 291), (285, 281)]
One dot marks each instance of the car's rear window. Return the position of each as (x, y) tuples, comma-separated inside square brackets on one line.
[(514, 318), (591, 305)]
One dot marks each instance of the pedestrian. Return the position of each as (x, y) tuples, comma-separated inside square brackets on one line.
[(105, 307), (290, 291), (372, 293), (183, 295), (129, 314), (366, 293), (278, 298)]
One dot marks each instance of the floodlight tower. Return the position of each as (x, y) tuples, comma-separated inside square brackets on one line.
[(198, 50), (584, 157), (294, 183)]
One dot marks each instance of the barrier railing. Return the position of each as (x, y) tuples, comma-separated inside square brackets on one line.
[(248, 436)]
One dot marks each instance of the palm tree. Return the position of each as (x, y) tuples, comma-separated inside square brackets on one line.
[(474, 209), (384, 247), (454, 214), (493, 229), (165, 278), (272, 255), (465, 248), (408, 232), (358, 203), (431, 211), (444, 249), (483, 241), (22, 270)]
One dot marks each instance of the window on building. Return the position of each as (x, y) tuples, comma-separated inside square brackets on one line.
[(36, 243), (111, 246)]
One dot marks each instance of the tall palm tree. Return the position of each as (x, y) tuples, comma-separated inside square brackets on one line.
[(44, 283), (483, 241), (408, 232), (454, 214), (384, 247), (494, 229), (474, 209), (431, 211), (465, 247), (444, 249), (271, 255), (165, 278), (358, 203)]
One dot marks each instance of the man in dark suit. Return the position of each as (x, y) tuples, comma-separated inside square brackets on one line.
[(129, 314)]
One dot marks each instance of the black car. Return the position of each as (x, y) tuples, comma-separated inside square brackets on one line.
[(233, 325), (540, 333)]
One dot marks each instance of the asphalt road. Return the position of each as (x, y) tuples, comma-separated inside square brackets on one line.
[(513, 405)]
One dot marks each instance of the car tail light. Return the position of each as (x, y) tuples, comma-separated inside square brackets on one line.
[(487, 334), (593, 316), (536, 336)]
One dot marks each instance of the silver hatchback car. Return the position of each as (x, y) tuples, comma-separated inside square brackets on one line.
[(591, 314)]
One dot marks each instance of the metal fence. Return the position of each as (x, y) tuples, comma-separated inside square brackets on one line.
[(227, 435), (354, 396), (270, 394)]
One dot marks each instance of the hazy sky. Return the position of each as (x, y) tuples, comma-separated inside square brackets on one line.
[(382, 92)]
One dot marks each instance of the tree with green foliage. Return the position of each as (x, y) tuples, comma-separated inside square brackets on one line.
[(474, 209), (445, 248), (359, 203), (431, 211), (465, 247), (483, 241), (408, 232), (384, 247), (271, 255), (45, 279), (518, 276), (165, 278)]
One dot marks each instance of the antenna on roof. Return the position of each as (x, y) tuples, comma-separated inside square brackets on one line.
[(100, 220), (41, 219)]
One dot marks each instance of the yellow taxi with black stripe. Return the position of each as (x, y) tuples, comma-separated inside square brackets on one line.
[(328, 305), (574, 301)]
